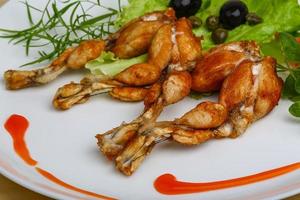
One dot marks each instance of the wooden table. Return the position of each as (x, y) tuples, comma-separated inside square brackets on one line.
[(12, 191)]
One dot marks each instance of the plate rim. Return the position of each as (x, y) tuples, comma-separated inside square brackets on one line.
[(53, 195), (32, 187)]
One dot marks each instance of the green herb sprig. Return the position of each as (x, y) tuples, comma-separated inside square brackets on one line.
[(286, 50), (198, 95), (61, 27)]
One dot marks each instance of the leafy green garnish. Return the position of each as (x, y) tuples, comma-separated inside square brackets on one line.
[(198, 95), (60, 27), (289, 90), (277, 15), (286, 50), (107, 64), (290, 47), (295, 109), (137, 8)]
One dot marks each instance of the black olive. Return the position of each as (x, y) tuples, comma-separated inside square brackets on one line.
[(219, 35), (253, 19), (212, 22), (233, 13), (185, 8), (196, 21)]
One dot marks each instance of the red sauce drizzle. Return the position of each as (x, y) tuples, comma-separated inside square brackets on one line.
[(54, 179), (16, 126), (167, 183)]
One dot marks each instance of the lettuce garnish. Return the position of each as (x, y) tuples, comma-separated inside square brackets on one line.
[(278, 16), (109, 65)]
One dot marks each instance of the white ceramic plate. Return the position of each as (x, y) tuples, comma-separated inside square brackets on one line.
[(63, 143)]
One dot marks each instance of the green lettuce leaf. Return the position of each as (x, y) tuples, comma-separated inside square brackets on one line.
[(107, 64), (295, 109), (138, 8), (278, 16)]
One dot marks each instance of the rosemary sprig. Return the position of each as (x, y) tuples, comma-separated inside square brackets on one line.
[(61, 27)]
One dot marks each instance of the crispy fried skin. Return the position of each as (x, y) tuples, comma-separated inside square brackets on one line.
[(19, 79), (141, 145), (136, 37), (176, 86), (237, 86), (72, 58), (152, 95), (139, 75), (169, 90), (160, 50), (249, 102), (189, 46), (159, 57), (204, 116), (219, 62), (86, 51), (77, 93), (269, 89), (130, 94), (192, 137), (246, 96), (132, 40)]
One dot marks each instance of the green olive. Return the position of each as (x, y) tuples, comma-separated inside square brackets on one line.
[(253, 19), (196, 21), (212, 22), (219, 35)]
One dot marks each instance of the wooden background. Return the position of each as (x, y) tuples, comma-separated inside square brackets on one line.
[(11, 191)]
